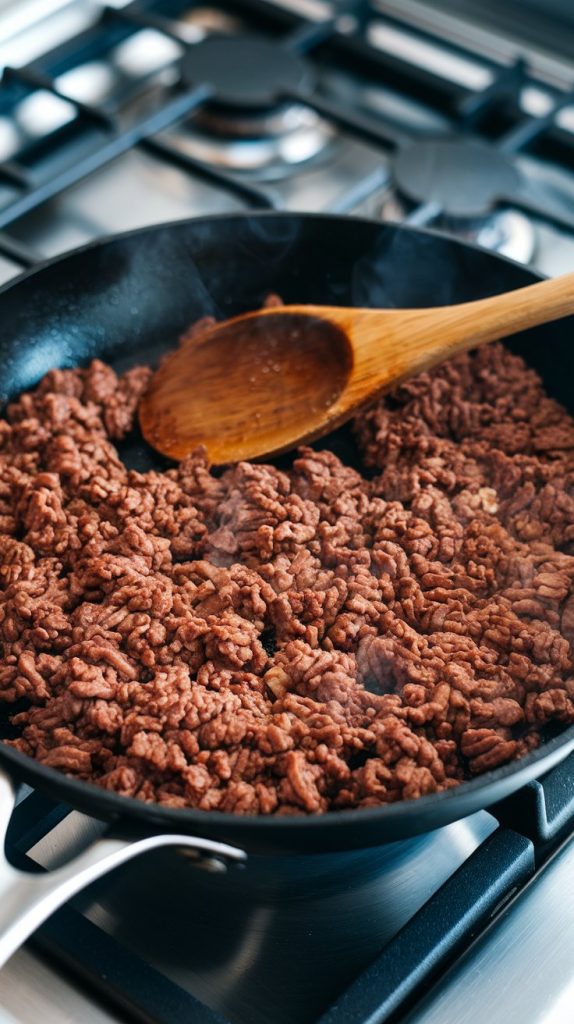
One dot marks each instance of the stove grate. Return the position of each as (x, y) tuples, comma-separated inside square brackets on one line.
[(346, 37)]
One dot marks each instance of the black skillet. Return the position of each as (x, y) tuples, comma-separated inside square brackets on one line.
[(128, 298)]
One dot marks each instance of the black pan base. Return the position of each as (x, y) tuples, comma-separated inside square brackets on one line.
[(126, 300)]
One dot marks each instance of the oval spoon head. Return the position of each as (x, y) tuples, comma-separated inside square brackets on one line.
[(252, 386), (264, 382)]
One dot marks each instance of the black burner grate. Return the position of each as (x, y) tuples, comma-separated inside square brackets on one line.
[(300, 47)]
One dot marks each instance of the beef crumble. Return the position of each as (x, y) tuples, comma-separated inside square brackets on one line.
[(268, 642)]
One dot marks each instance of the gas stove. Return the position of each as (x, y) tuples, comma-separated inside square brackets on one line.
[(435, 114)]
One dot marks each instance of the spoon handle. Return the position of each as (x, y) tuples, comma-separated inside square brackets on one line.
[(391, 345), (473, 323)]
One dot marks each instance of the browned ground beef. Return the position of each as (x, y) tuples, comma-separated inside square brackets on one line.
[(284, 642)]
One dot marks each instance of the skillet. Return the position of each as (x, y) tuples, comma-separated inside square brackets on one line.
[(126, 299)]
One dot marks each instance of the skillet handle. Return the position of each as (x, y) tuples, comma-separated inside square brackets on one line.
[(26, 899)]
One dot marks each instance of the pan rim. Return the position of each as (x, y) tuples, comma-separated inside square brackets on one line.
[(110, 239), (154, 814)]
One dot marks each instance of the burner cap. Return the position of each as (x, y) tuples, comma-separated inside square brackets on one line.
[(465, 178), (246, 71)]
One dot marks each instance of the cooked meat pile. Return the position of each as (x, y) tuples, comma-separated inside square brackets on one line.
[(269, 642)]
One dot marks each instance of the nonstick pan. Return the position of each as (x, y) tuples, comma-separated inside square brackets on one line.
[(126, 300)]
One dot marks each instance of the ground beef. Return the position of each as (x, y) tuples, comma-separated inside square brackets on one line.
[(284, 642)]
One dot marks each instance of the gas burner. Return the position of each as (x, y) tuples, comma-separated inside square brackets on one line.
[(463, 177), (456, 185), (251, 124), (270, 143), (508, 232), (247, 72)]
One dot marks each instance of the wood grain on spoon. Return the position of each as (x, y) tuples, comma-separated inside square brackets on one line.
[(264, 382)]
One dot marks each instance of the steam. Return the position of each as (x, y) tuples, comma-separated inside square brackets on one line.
[(169, 251), (280, 233), (406, 268)]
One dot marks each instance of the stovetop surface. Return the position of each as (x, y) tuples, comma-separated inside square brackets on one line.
[(387, 934), (374, 84), (278, 940), (111, 118)]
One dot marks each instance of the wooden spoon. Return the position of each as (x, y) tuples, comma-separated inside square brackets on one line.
[(264, 382)]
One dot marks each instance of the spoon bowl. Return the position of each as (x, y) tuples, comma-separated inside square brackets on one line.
[(244, 387), (262, 383)]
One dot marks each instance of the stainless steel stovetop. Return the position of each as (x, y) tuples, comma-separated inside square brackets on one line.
[(93, 141)]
